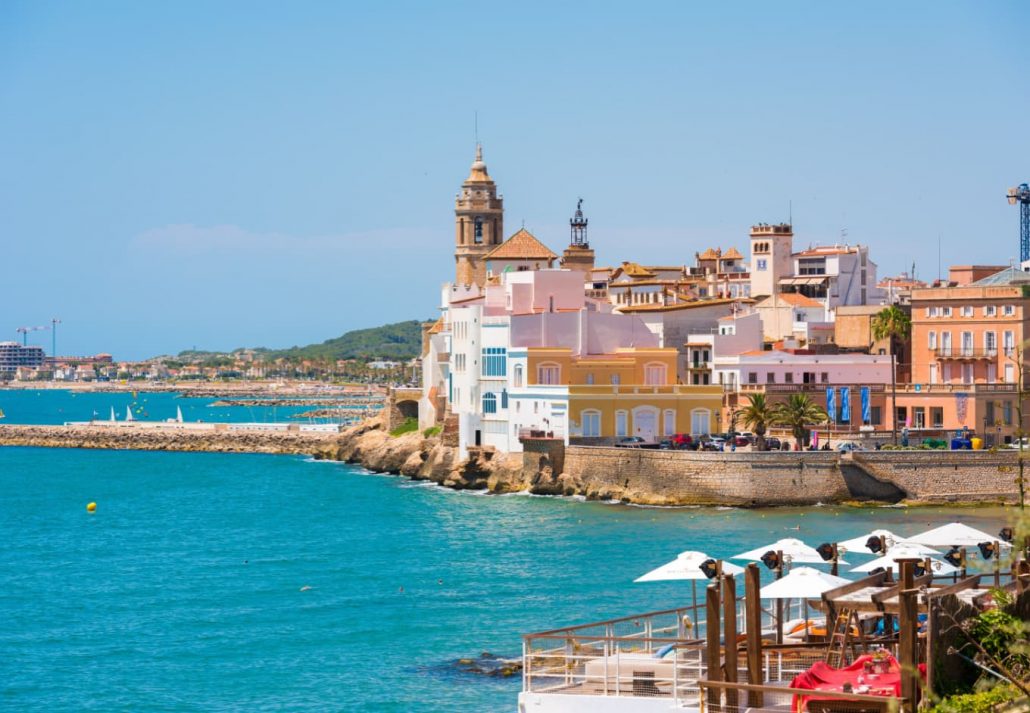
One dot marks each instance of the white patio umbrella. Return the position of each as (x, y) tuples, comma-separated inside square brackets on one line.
[(955, 534), (857, 544), (802, 583), (794, 549), (889, 560), (686, 566)]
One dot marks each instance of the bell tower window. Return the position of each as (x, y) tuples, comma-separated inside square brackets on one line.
[(478, 234)]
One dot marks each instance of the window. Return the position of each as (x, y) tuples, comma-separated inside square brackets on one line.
[(901, 415), (967, 344), (990, 311), (770, 378), (590, 379), (518, 375), (989, 416), (752, 377), (788, 378), (479, 231), (591, 424), (824, 377), (548, 374), (1008, 310), (933, 373), (932, 341), (918, 417), (946, 311), (946, 343), (1008, 342), (669, 422), (504, 398), (1006, 409), (991, 343), (495, 361), (621, 421), (967, 311), (1010, 374), (654, 374), (936, 417), (761, 264), (967, 373), (875, 415), (489, 403), (615, 379)]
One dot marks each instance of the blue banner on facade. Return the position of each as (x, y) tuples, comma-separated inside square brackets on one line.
[(845, 405), (867, 411), (831, 403)]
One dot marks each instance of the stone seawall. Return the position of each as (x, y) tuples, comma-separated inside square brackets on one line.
[(656, 477), (946, 476), (157, 439)]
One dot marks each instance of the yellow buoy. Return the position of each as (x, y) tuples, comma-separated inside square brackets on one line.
[(92, 507)]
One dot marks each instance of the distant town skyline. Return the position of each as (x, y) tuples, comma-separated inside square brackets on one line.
[(226, 176)]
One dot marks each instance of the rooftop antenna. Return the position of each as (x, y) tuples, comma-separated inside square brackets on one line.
[(476, 115), (938, 257)]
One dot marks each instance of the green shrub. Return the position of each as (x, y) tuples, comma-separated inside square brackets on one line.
[(432, 431), (409, 425), (979, 702)]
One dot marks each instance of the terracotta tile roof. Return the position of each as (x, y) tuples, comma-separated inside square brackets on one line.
[(708, 254), (829, 250), (437, 326), (634, 270), (674, 307), (521, 245), (794, 299), (732, 254)]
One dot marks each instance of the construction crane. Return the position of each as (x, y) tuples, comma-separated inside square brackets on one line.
[(24, 332), (1021, 194)]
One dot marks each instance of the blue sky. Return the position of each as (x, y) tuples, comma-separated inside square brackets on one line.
[(237, 174)]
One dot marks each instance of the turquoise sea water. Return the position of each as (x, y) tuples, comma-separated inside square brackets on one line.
[(183, 591), (56, 406)]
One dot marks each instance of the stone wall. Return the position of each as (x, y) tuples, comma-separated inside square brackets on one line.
[(946, 476), (690, 478), (401, 404)]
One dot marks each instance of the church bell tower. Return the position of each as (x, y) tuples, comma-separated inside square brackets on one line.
[(578, 256), (479, 223)]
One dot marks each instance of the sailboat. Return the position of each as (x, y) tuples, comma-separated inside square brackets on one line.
[(178, 414), (113, 419), (128, 413)]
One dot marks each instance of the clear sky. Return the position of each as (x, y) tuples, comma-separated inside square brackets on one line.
[(222, 174)]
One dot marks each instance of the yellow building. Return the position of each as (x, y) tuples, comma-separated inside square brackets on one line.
[(630, 392)]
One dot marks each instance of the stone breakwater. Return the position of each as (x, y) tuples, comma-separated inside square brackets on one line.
[(161, 439)]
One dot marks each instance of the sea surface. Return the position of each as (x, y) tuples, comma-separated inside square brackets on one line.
[(183, 592), (56, 406)]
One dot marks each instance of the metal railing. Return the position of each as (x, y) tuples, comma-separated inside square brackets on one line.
[(964, 353)]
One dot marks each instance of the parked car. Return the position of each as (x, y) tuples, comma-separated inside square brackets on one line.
[(715, 443), (681, 440), (848, 446), (630, 442), (741, 439), (772, 443)]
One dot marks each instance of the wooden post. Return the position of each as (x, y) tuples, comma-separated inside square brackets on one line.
[(714, 668), (833, 569), (908, 626), (997, 563), (753, 628), (729, 615), (779, 602)]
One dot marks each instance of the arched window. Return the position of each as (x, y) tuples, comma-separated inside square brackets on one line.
[(517, 379), (548, 373), (654, 374), (591, 424), (478, 235), (489, 403)]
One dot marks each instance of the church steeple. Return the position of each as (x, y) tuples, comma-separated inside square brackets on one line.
[(578, 256), (479, 223)]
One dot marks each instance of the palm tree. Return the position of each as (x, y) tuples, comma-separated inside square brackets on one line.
[(757, 416), (797, 413), (892, 323)]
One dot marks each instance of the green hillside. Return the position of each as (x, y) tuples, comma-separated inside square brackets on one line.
[(401, 340)]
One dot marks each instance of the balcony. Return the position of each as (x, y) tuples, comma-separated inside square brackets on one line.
[(699, 365), (807, 388), (964, 353), (962, 388)]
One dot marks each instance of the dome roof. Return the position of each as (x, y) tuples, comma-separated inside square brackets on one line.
[(478, 173)]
